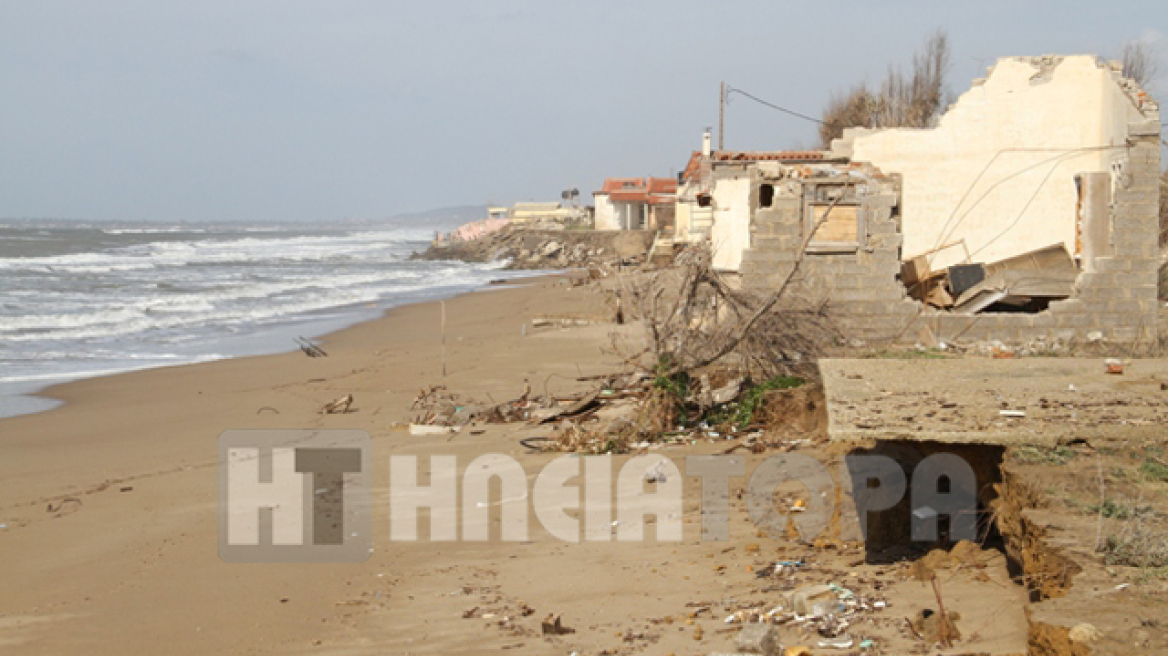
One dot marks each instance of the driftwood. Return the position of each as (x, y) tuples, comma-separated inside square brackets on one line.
[(338, 407), (310, 349)]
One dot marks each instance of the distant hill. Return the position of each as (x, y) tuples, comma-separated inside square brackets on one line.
[(442, 217)]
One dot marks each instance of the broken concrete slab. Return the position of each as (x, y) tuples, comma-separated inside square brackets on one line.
[(1017, 288), (1051, 258), (959, 400)]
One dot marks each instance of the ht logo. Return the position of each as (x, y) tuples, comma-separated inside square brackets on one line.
[(295, 496)]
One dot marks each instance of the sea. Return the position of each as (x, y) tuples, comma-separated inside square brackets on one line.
[(79, 300)]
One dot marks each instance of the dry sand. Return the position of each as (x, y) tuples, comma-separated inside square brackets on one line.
[(110, 506)]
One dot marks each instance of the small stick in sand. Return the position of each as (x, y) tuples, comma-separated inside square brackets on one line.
[(340, 406)]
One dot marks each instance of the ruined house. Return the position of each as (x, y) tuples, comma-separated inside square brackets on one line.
[(1029, 212), (714, 198)]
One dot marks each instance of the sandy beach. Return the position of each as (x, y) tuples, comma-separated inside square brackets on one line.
[(110, 508), (125, 562)]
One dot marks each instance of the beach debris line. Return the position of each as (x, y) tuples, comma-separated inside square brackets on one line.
[(338, 407), (716, 363), (618, 413), (310, 349)]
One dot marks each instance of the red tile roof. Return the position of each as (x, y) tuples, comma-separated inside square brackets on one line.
[(616, 184), (639, 190), (663, 185)]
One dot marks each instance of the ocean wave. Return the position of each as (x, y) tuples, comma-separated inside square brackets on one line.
[(251, 250), (91, 303), (153, 231), (252, 304), (75, 374)]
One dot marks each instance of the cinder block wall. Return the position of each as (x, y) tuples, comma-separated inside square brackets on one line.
[(861, 287), (1119, 299)]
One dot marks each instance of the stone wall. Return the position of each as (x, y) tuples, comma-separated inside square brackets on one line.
[(861, 287)]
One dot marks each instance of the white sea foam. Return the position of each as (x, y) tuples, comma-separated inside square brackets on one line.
[(75, 304)]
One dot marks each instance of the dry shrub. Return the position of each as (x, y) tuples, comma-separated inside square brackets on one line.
[(1139, 63), (1140, 542), (699, 326), (914, 99), (694, 318)]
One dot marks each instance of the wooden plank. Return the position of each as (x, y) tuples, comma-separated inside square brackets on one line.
[(841, 226)]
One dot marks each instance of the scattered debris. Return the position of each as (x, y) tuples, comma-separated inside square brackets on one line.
[(337, 407), (70, 504), (758, 639), (840, 642), (656, 473), (423, 429), (1026, 282), (552, 626), (934, 628)]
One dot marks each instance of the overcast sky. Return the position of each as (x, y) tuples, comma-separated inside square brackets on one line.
[(294, 110)]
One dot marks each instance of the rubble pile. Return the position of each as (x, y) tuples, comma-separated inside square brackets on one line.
[(527, 248)]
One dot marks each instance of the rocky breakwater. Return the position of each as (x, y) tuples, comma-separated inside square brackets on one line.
[(546, 249)]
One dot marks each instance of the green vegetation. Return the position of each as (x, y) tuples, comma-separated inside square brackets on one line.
[(1029, 455), (1113, 510), (753, 398), (1154, 470)]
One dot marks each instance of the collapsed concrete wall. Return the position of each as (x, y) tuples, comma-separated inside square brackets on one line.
[(997, 174), (1112, 220)]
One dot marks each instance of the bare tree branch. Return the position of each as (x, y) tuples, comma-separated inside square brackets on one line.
[(1139, 63)]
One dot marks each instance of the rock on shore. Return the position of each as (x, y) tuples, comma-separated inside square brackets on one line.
[(546, 249)]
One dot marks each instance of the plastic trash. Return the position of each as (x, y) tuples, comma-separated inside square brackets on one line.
[(656, 473), (814, 601), (842, 642)]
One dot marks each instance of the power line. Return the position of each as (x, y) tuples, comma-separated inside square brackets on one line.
[(730, 90), (947, 230)]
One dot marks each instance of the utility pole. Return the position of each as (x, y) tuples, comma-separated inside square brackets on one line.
[(722, 118)]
